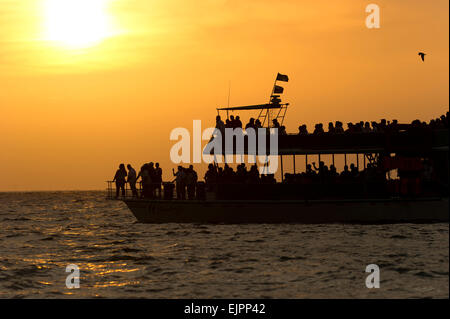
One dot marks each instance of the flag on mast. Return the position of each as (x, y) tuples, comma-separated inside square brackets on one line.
[(278, 89), (282, 77)]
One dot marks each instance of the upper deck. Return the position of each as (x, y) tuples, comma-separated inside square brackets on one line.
[(407, 141)]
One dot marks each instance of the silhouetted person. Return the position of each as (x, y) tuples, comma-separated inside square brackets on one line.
[(339, 128), (250, 124), (331, 128), (350, 128), (353, 171), (219, 124), (318, 129), (302, 130), (238, 122), (146, 181), (119, 178), (275, 123), (158, 179), (191, 181), (232, 122), (309, 171), (131, 179), (151, 172), (253, 175), (345, 174), (180, 182), (375, 127), (211, 177)]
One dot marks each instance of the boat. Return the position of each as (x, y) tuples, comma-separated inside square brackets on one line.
[(406, 199)]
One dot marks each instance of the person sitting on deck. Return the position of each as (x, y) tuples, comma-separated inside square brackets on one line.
[(253, 175), (302, 130), (374, 127), (119, 178), (339, 128), (158, 179), (228, 174), (382, 126), (360, 126), (268, 179), (219, 175), (282, 130), (318, 129), (180, 182), (275, 123), (241, 173), (333, 172), (257, 125), (366, 128), (131, 179), (331, 128)]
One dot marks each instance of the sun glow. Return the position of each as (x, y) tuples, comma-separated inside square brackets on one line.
[(77, 23)]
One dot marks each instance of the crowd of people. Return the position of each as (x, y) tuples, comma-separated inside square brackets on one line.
[(325, 174), (227, 175), (376, 127), (336, 127), (246, 180), (185, 180), (235, 123), (151, 180)]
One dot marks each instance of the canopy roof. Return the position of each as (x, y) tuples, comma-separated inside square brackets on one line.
[(253, 107)]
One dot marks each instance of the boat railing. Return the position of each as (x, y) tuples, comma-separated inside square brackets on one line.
[(156, 191), (112, 192), (303, 190)]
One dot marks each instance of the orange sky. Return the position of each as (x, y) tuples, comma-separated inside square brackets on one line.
[(86, 88)]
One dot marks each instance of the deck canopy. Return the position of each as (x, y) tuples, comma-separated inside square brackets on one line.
[(253, 107)]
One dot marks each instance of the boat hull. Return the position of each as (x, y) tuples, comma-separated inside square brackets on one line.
[(291, 211)]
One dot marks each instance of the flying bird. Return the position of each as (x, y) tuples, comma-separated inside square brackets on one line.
[(422, 55)]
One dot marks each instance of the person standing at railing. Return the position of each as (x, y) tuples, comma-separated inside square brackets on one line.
[(158, 179), (119, 178), (152, 173), (191, 181), (146, 181), (180, 182), (132, 180)]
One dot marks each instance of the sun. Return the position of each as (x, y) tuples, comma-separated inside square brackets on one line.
[(77, 23)]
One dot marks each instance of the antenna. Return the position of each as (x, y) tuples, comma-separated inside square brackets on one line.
[(229, 92)]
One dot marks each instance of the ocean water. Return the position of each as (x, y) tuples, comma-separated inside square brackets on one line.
[(42, 233)]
